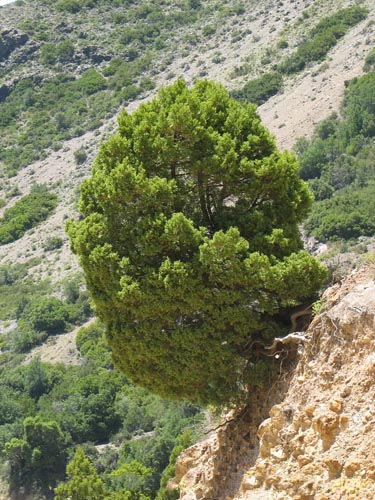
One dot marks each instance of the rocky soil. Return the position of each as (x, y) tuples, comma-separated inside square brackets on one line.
[(317, 443)]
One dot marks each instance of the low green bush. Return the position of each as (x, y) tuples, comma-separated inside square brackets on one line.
[(53, 243), (23, 340), (10, 274), (260, 89), (370, 61), (348, 214), (90, 82), (72, 6), (48, 315), (26, 213), (80, 156)]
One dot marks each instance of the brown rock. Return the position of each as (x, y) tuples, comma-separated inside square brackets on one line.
[(334, 467), (326, 425), (304, 460), (351, 467), (336, 405)]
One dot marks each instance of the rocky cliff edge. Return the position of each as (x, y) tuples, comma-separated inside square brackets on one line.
[(318, 442)]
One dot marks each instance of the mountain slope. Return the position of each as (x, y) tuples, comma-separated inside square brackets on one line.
[(241, 44)]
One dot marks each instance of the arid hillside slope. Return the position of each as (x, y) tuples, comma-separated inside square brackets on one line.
[(317, 443), (307, 98)]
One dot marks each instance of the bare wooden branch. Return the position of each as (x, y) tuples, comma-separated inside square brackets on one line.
[(292, 338)]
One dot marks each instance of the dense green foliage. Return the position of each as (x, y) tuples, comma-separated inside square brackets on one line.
[(322, 38), (36, 460), (83, 481), (165, 493), (260, 89), (347, 215), (80, 404), (190, 242), (38, 314), (26, 213), (339, 164), (16, 289)]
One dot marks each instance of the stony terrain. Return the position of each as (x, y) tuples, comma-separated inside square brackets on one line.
[(317, 443)]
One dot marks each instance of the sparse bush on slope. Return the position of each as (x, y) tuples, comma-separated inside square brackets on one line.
[(259, 90)]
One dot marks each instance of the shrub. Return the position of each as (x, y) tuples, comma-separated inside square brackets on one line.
[(11, 273), (209, 30), (48, 53), (282, 44), (91, 82), (322, 38), (26, 213), (65, 51), (24, 339), (260, 89), (72, 6), (370, 61), (80, 156), (348, 214), (45, 315), (53, 243)]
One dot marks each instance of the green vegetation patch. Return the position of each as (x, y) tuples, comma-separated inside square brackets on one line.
[(42, 316), (348, 214), (56, 110), (322, 38), (166, 256), (339, 164), (260, 89), (60, 100), (26, 213), (370, 61), (16, 288), (47, 408)]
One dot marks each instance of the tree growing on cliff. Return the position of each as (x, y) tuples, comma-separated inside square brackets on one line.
[(189, 241)]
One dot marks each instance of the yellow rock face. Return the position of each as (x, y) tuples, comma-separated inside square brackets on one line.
[(317, 444)]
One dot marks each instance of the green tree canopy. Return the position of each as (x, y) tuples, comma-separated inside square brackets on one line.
[(83, 482), (37, 461), (189, 241)]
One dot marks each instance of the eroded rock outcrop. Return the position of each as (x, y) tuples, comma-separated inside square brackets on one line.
[(317, 444)]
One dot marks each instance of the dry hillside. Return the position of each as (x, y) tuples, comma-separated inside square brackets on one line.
[(307, 98)]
